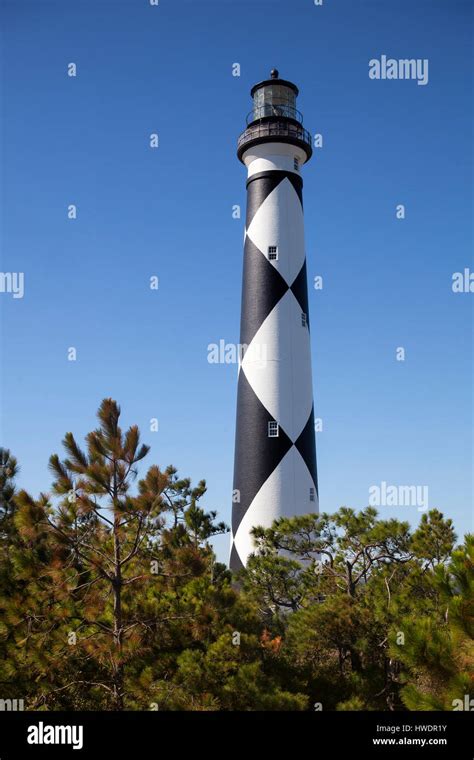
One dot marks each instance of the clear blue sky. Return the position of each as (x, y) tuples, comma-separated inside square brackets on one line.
[(167, 212)]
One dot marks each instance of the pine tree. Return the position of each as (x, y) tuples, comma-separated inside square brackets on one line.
[(334, 587), (8, 472), (111, 598), (113, 561), (332, 552), (434, 539), (437, 651), (117, 601)]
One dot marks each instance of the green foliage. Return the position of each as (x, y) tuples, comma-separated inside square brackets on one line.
[(111, 597), (434, 539), (8, 472), (345, 587), (437, 652)]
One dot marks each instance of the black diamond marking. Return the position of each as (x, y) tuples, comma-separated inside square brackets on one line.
[(306, 445), (256, 455), (297, 183), (259, 187), (300, 291), (235, 562), (263, 286), (277, 175)]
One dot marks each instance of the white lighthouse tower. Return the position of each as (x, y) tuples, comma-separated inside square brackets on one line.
[(275, 453)]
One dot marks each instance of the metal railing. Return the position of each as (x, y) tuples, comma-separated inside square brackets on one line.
[(261, 112), (275, 129)]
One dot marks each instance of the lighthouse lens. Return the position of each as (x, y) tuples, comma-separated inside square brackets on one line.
[(274, 100)]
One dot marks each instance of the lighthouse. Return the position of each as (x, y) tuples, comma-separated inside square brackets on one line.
[(275, 451)]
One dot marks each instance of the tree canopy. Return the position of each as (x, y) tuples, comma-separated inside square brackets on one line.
[(111, 597)]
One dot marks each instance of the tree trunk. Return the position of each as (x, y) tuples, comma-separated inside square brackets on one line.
[(356, 662), (350, 582), (117, 590)]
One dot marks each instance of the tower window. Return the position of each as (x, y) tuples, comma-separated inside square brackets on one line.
[(273, 253), (312, 495), (304, 319), (296, 164), (273, 429)]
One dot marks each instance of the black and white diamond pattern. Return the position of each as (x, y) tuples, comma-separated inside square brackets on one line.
[(273, 475)]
